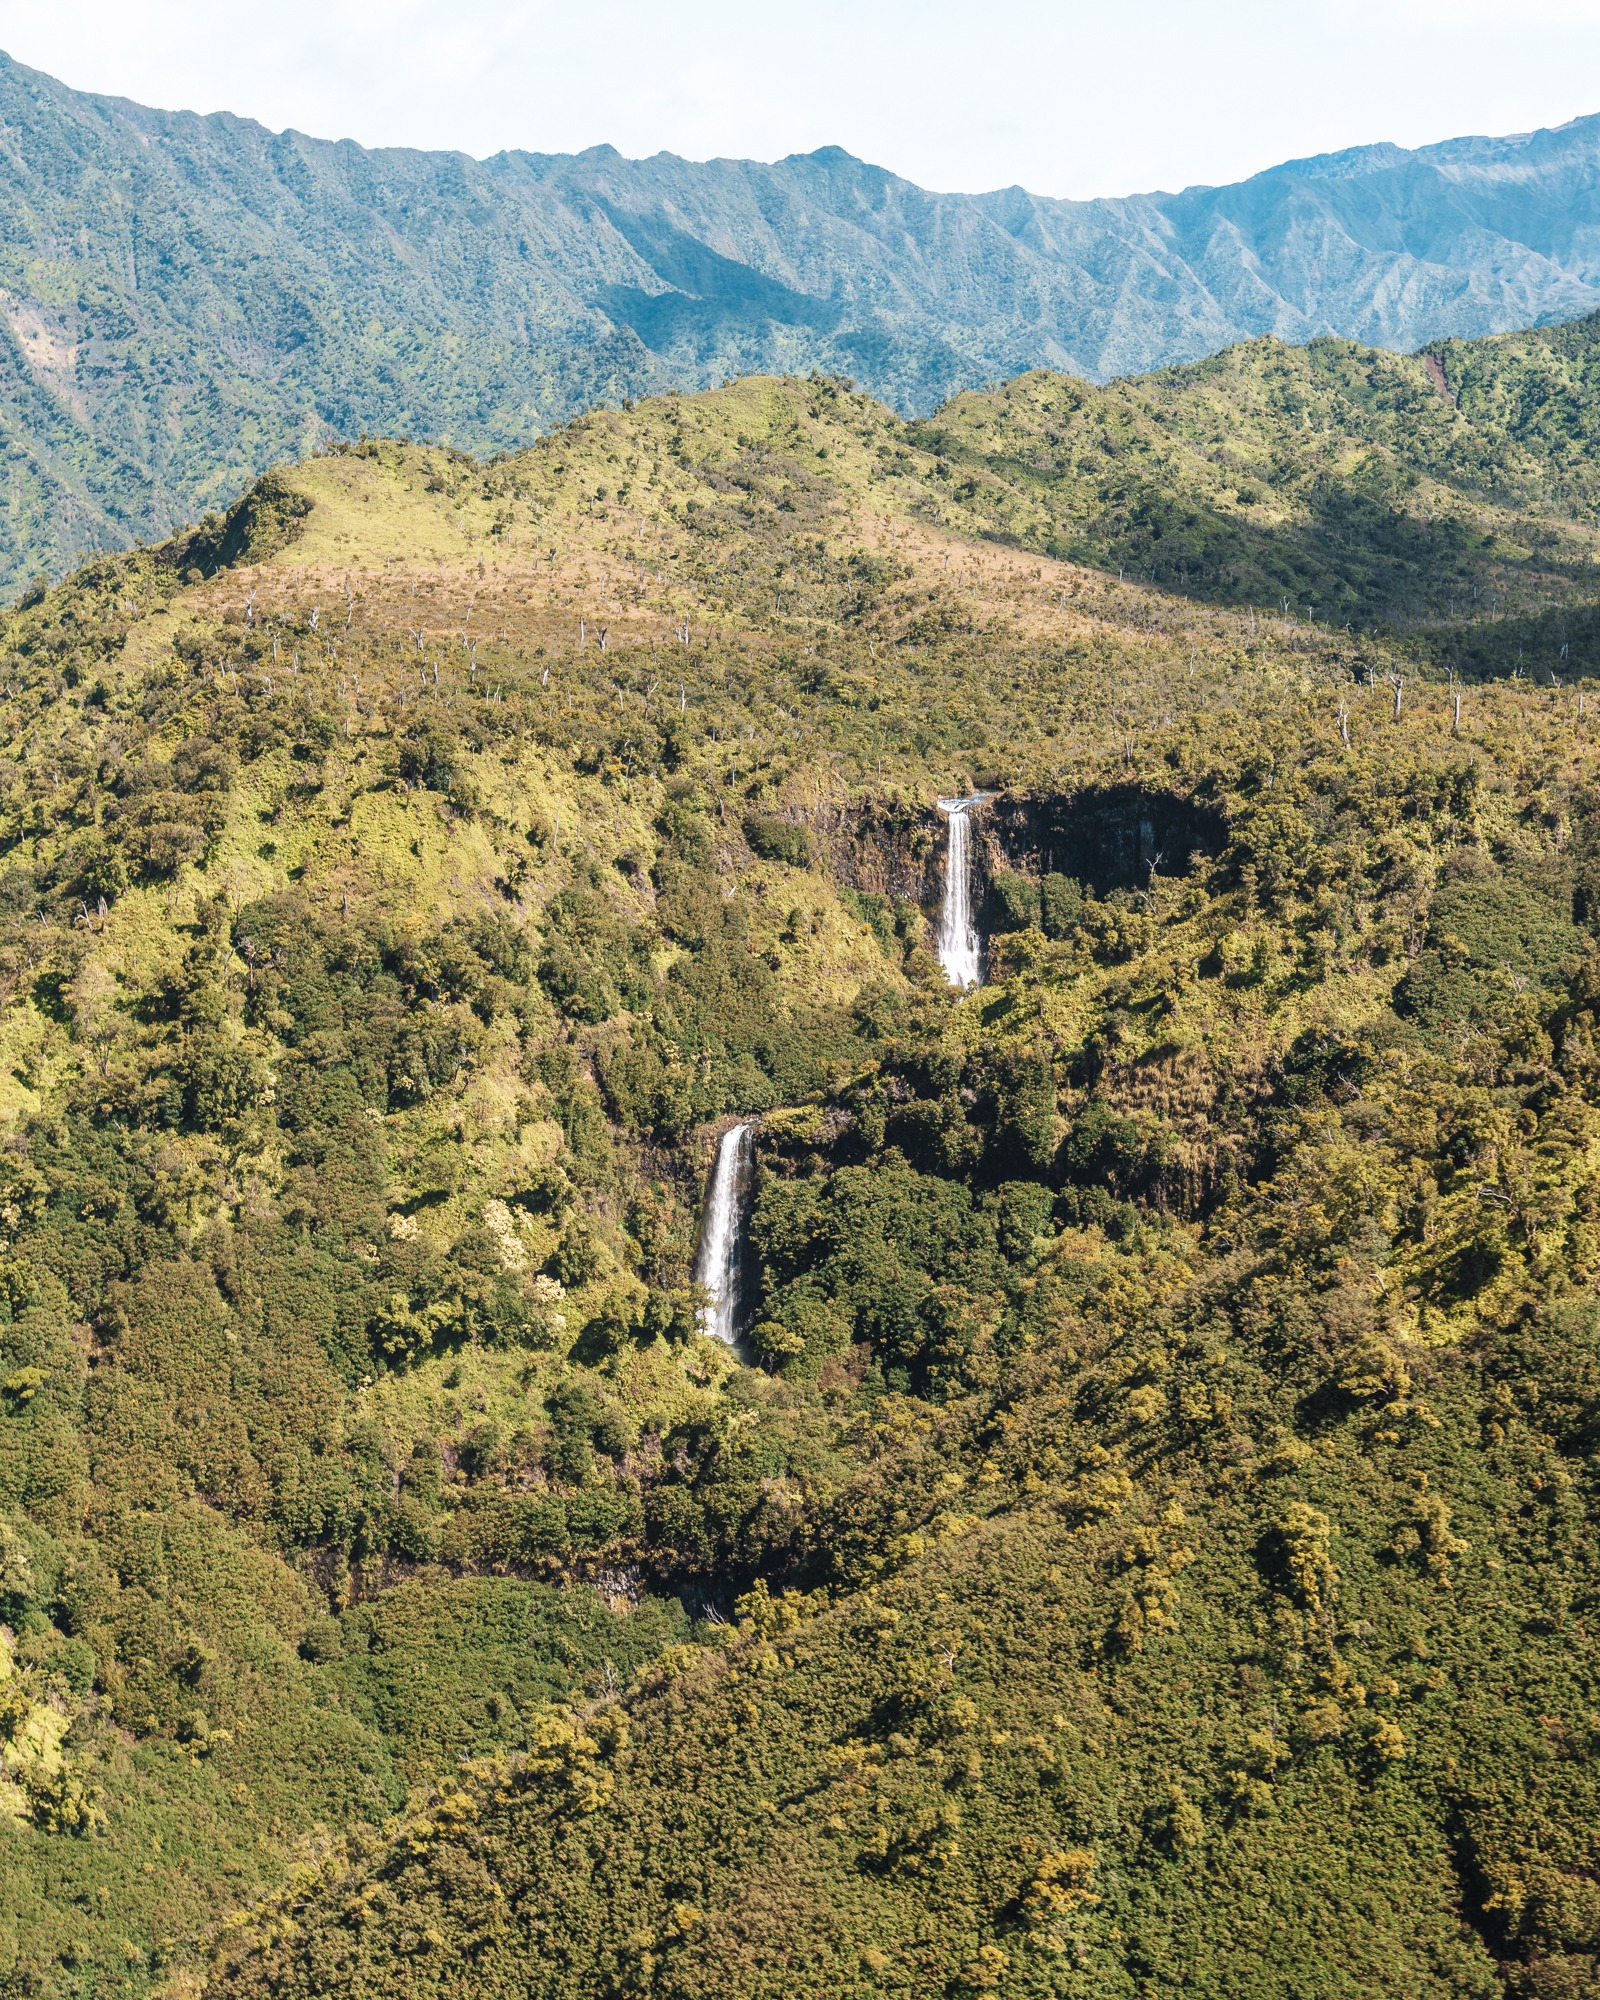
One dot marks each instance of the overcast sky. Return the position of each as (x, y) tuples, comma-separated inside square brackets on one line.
[(1069, 98)]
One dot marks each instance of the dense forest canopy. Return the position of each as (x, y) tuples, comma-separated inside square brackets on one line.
[(1146, 1538)]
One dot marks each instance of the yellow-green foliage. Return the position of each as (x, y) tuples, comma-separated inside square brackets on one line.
[(1145, 1536)]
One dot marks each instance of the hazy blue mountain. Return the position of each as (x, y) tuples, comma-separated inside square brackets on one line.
[(187, 298)]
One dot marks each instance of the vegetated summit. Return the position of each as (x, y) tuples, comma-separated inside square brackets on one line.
[(1149, 1537), (187, 299)]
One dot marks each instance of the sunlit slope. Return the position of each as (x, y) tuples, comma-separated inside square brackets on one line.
[(409, 875)]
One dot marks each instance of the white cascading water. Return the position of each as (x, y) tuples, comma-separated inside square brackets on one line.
[(719, 1262), (956, 946)]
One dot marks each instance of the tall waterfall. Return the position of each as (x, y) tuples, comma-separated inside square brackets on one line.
[(957, 945), (719, 1262)]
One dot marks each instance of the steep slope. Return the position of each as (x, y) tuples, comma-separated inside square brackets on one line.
[(1149, 1529), (188, 299)]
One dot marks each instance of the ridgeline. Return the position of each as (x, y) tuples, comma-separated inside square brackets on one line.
[(185, 300)]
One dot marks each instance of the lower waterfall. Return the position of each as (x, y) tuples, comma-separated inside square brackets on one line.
[(719, 1262), (956, 946)]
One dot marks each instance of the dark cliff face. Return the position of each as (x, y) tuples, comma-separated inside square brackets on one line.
[(1108, 838), (219, 295), (890, 849)]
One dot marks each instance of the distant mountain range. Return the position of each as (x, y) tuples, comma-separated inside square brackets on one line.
[(186, 299)]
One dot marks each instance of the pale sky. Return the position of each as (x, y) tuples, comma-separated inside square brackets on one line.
[(1066, 98)]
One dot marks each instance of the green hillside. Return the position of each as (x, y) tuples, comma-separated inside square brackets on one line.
[(186, 299), (1148, 1541), (1333, 480)]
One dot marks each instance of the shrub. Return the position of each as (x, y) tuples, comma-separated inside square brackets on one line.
[(1060, 905), (778, 840), (1013, 903)]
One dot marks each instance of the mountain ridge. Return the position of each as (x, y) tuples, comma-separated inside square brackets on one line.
[(188, 298)]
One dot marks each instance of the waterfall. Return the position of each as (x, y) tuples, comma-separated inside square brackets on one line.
[(957, 945), (719, 1262)]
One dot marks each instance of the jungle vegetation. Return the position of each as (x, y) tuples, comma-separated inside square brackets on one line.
[(1148, 1539)]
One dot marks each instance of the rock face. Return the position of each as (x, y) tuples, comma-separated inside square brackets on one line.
[(186, 299), (889, 849), (1107, 837)]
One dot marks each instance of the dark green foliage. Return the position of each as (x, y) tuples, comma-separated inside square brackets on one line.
[(899, 1260), (594, 963), (1024, 1210), (581, 1425), (1105, 1150), (1061, 904), (778, 840), (1494, 923), (446, 1672), (1014, 903), (1488, 938)]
